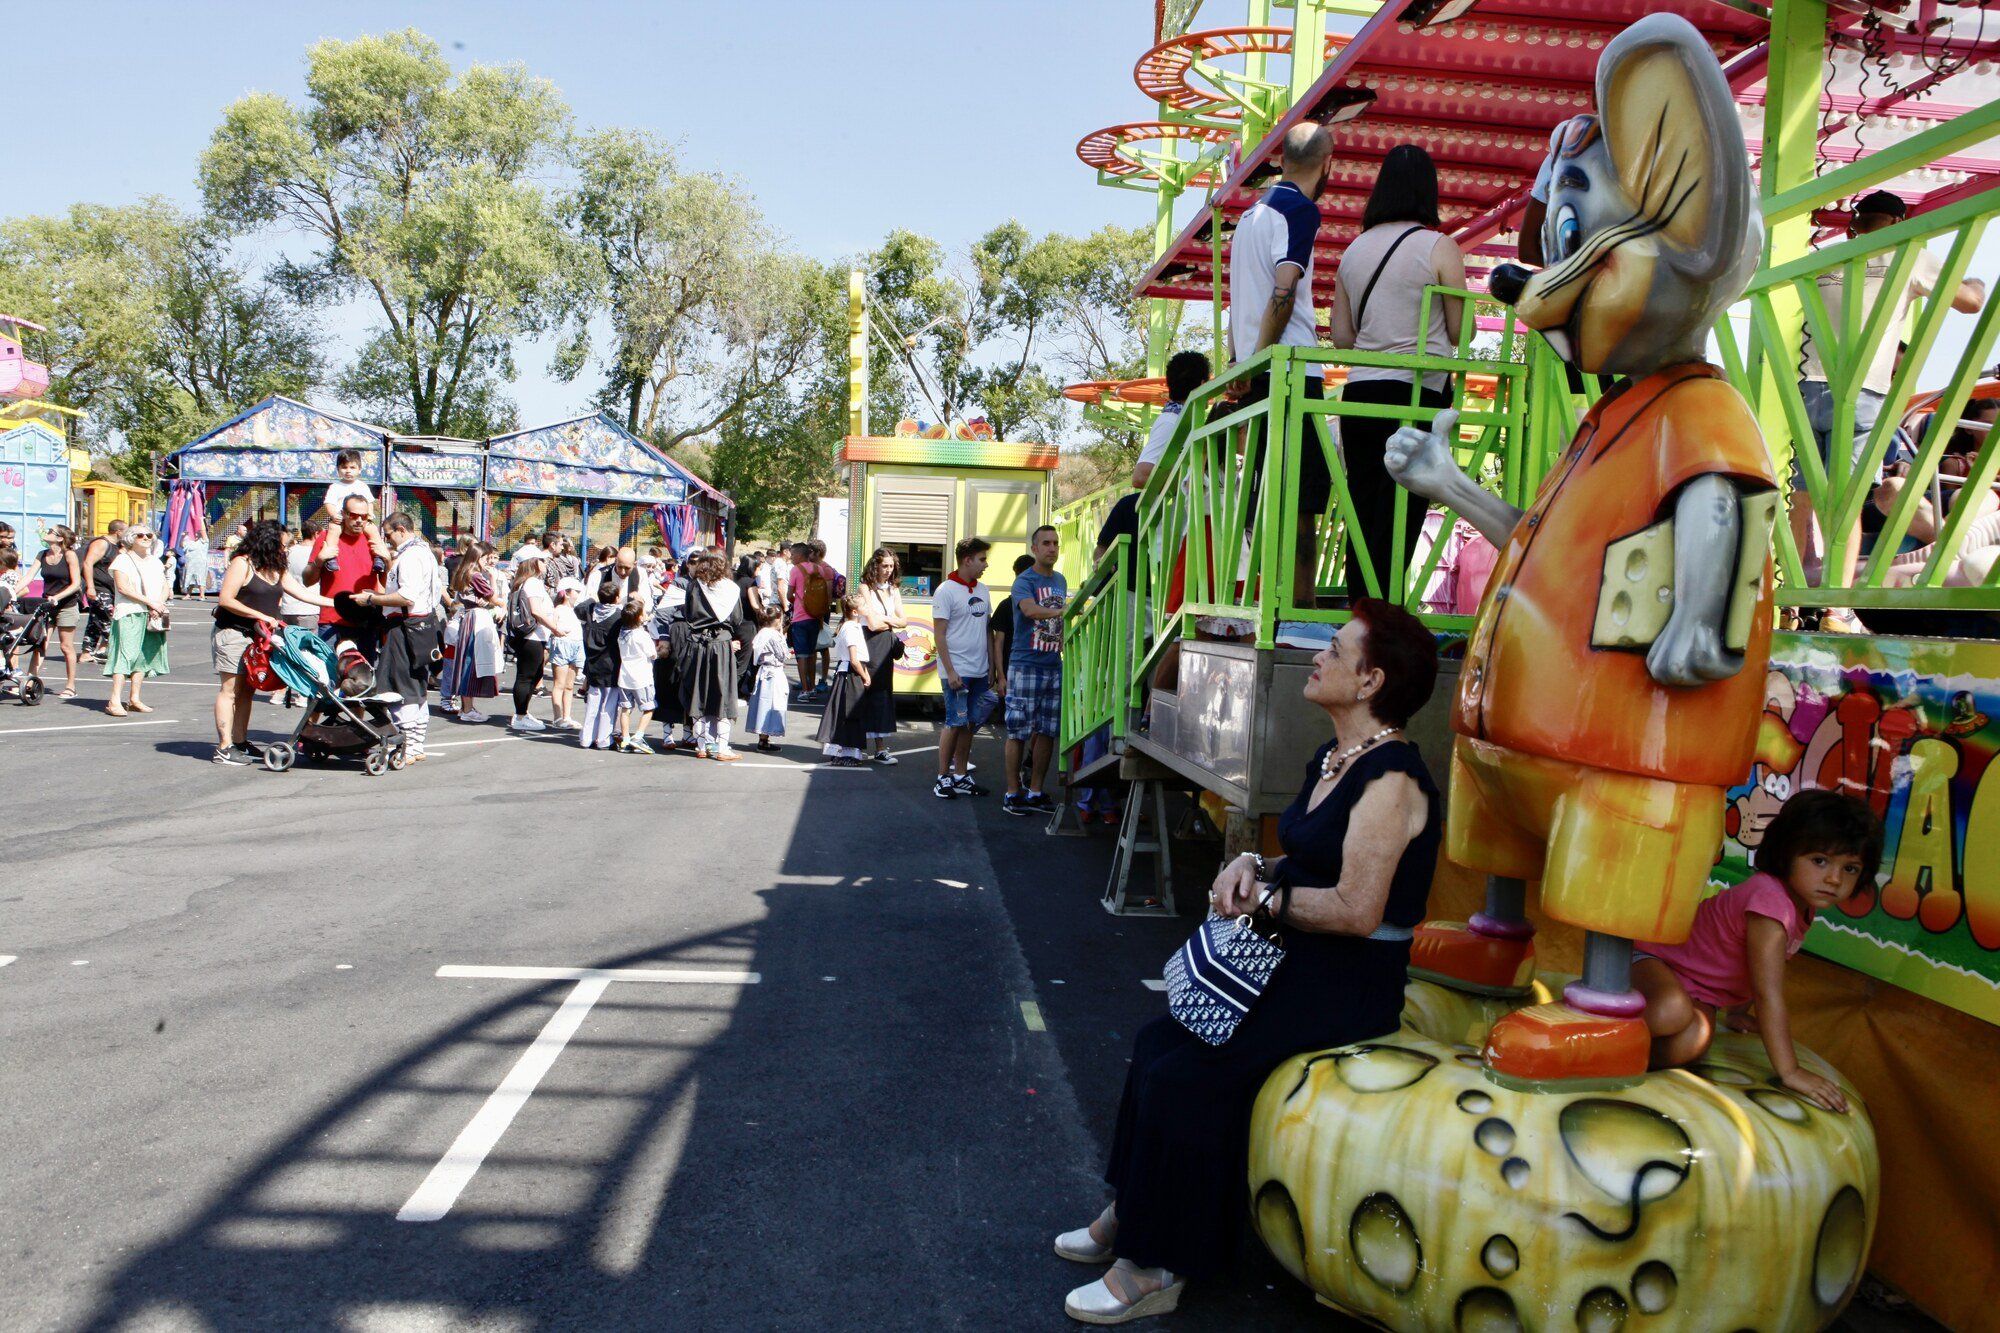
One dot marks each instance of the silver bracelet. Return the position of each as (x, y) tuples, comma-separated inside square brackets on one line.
[(1257, 861)]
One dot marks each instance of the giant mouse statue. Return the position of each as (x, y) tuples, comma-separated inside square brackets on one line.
[(1612, 685)]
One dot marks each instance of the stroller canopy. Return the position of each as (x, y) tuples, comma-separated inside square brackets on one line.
[(306, 663)]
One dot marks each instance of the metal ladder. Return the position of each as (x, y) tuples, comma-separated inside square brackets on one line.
[(1145, 803)]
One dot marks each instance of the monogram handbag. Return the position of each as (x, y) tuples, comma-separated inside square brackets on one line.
[(1218, 974)]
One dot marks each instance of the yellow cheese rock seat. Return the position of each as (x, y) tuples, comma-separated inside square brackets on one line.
[(1405, 1187)]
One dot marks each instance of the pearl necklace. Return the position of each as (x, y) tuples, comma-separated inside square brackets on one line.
[(1330, 767)]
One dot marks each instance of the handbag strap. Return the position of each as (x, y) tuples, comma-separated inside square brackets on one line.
[(1381, 268)]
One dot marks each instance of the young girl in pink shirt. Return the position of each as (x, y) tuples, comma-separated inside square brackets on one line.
[(1820, 848)]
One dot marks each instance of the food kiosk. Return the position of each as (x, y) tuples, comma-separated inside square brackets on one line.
[(106, 502), (918, 496)]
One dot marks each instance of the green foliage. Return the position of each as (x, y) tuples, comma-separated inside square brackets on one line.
[(89, 275), (421, 190), (153, 327), (776, 456), (1000, 331), (707, 315)]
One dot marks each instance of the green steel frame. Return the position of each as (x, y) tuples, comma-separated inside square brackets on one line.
[(1221, 507)]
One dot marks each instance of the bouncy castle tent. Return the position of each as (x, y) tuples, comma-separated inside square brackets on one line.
[(34, 481)]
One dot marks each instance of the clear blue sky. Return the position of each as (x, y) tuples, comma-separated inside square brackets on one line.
[(844, 119)]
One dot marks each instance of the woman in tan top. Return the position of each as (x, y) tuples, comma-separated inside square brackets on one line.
[(1377, 303)]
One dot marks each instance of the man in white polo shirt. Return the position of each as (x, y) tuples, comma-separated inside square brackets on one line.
[(1271, 304), (408, 601)]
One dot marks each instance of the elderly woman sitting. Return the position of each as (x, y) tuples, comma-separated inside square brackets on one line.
[(1360, 842)]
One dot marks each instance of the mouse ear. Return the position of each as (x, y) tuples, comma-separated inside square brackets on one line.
[(1671, 130)]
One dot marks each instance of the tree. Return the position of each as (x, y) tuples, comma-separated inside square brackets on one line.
[(778, 456), (225, 341), (91, 277), (420, 192), (707, 315), (1000, 330), (154, 329)]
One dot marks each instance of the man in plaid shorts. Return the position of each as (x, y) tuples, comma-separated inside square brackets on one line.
[(1033, 684)]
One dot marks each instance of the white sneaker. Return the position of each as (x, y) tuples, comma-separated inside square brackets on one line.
[(566, 724), (471, 715), (526, 723)]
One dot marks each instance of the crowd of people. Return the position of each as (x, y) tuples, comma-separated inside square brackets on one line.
[(615, 642)]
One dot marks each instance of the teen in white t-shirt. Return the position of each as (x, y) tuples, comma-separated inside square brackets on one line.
[(962, 616)]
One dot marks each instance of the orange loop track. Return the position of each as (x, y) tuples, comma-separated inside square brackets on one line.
[(1164, 73), (1102, 148)]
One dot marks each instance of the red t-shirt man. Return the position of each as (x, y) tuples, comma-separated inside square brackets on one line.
[(349, 553)]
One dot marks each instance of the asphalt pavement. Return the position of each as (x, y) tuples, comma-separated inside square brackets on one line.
[(528, 1037)]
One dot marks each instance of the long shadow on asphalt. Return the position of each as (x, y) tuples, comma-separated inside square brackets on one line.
[(870, 1138)]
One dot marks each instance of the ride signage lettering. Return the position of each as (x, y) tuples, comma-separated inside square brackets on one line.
[(1911, 727)]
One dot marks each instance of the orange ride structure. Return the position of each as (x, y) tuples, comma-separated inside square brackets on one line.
[(1506, 1160)]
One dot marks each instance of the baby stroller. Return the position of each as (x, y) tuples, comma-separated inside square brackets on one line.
[(24, 629), (343, 714)]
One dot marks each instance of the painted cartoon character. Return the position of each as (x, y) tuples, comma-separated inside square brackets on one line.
[(1613, 684), (1965, 715), (1773, 778)]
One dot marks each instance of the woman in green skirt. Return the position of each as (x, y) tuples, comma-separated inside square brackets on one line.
[(138, 621)]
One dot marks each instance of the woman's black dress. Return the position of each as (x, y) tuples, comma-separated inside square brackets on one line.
[(746, 664), (1180, 1154), (669, 629), (878, 703)]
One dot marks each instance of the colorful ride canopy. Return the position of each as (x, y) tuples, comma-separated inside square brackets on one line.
[(588, 457), (1481, 92), (591, 457), (280, 440)]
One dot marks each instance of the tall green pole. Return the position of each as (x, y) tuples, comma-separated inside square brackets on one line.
[(1308, 47), (1795, 84)]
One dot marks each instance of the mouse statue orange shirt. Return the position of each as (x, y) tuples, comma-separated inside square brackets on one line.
[(1533, 682)]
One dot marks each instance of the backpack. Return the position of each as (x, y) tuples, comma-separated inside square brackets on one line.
[(818, 592), (519, 623)]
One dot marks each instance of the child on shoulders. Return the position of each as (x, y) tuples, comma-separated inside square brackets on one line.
[(1820, 848)]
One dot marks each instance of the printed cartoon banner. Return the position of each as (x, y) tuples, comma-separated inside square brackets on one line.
[(1910, 726), (293, 466)]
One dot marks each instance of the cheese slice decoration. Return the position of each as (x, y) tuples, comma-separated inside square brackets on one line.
[(1635, 597)]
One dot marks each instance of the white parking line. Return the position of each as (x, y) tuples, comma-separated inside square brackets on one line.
[(681, 975), (454, 1171), (93, 726), (6, 958)]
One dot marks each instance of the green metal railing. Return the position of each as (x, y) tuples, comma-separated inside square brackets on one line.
[(1077, 525), (1222, 506), (1766, 366), (1097, 646)]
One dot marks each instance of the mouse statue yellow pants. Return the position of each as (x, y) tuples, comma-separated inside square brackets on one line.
[(1616, 853)]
